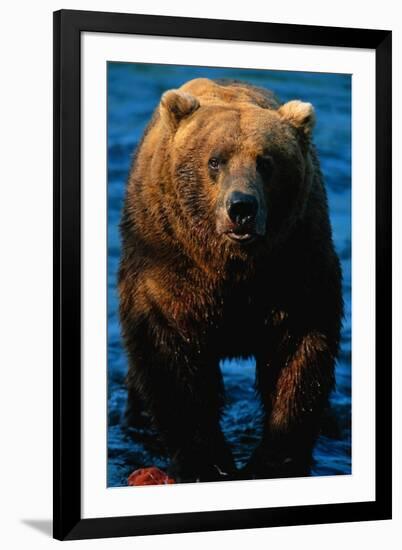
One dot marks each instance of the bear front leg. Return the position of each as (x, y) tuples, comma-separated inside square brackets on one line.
[(294, 387), (184, 397)]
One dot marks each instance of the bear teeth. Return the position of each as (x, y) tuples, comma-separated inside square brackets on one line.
[(241, 237)]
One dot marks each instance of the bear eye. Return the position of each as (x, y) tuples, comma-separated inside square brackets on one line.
[(265, 165), (214, 163)]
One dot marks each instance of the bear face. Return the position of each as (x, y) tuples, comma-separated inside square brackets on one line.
[(241, 173)]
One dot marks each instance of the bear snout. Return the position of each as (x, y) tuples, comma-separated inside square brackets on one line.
[(241, 217), (242, 209)]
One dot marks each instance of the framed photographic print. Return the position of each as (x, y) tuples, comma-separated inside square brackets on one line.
[(222, 274)]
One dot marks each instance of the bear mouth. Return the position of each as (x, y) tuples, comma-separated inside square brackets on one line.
[(243, 238)]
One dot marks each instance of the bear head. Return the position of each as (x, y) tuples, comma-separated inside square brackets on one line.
[(241, 172)]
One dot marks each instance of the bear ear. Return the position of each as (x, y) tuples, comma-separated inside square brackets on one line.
[(300, 114), (176, 105)]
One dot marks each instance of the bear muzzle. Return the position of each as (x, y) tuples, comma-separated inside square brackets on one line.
[(240, 218)]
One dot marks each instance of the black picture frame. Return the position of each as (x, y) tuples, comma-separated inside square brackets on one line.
[(68, 26)]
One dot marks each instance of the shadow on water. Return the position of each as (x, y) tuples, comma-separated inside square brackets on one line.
[(133, 92)]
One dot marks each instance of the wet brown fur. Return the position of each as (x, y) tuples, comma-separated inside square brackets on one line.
[(190, 297)]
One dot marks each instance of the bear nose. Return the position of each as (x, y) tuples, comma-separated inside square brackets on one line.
[(242, 207)]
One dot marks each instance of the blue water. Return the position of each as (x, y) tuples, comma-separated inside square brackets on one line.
[(133, 92)]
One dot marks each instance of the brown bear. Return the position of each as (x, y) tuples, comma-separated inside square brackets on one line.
[(227, 251)]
